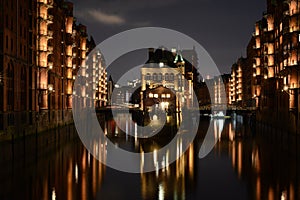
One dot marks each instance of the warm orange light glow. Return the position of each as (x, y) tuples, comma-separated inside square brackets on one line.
[(271, 72), (257, 42), (83, 44), (69, 25), (240, 159), (271, 194), (69, 62), (258, 188), (69, 50), (43, 12)]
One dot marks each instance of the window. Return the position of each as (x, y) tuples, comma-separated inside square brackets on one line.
[(167, 77), (20, 49), (148, 77), (155, 95), (179, 80), (11, 44), (23, 88), (172, 77), (154, 77), (6, 42), (10, 87), (159, 78), (25, 51)]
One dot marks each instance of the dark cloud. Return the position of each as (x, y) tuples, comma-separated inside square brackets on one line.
[(222, 27)]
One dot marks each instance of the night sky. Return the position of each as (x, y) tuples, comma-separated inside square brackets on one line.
[(222, 27)]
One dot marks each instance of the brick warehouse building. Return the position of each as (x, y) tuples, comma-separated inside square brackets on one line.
[(41, 49), (273, 60)]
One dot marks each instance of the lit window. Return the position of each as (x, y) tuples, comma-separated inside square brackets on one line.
[(155, 95), (150, 95), (168, 96), (163, 96), (161, 64)]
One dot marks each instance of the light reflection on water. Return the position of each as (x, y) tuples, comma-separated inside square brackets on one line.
[(241, 166)]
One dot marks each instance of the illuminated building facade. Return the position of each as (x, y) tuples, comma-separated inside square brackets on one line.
[(238, 78), (220, 82), (42, 48), (277, 63), (268, 78), (168, 70)]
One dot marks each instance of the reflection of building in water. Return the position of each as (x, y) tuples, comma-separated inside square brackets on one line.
[(169, 70), (171, 182), (270, 173), (70, 173)]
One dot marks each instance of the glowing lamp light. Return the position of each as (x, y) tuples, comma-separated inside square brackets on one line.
[(50, 88), (285, 88)]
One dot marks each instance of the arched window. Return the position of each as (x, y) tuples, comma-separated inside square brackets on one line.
[(148, 77), (179, 80), (167, 77), (154, 77), (171, 77), (159, 78), (23, 88), (10, 87)]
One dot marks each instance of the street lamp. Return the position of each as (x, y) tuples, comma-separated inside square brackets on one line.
[(50, 91)]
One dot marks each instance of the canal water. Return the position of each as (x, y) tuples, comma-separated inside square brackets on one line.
[(257, 163)]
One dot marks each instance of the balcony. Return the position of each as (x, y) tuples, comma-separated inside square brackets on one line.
[(42, 48), (43, 32)]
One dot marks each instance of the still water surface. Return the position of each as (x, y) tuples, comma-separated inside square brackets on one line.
[(245, 164)]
